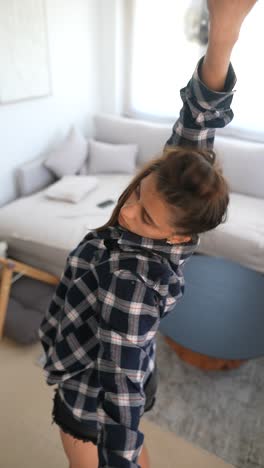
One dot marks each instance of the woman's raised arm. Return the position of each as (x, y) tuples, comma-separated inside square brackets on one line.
[(208, 96), (226, 18)]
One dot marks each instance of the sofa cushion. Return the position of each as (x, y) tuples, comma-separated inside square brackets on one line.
[(69, 156), (41, 232), (241, 238), (58, 227), (243, 165)]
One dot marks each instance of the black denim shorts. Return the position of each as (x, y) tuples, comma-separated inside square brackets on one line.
[(63, 417)]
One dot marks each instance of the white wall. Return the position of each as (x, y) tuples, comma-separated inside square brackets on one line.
[(29, 128)]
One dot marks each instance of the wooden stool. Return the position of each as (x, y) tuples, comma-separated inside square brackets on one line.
[(9, 267)]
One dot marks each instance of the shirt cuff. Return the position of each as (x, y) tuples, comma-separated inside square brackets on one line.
[(230, 81)]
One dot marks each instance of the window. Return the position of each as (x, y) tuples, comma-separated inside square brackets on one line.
[(247, 59), (162, 58), (162, 61)]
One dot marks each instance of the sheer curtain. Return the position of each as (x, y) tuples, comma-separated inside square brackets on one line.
[(247, 59), (162, 59)]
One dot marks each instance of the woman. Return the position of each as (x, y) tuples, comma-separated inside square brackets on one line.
[(122, 279)]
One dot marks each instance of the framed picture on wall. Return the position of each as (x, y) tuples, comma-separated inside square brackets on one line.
[(24, 55)]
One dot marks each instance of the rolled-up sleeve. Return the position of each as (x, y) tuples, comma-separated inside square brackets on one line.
[(129, 319), (203, 111)]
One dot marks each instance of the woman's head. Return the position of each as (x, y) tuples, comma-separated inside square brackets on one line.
[(180, 194)]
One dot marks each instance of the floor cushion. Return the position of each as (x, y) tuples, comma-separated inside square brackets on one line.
[(27, 304)]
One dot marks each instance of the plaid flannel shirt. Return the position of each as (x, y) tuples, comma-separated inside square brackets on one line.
[(99, 332)]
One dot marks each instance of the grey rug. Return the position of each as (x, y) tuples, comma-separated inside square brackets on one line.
[(222, 412)]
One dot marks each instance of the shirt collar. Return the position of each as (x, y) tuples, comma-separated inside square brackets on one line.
[(130, 241)]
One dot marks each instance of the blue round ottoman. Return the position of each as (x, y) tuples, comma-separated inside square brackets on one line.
[(221, 314)]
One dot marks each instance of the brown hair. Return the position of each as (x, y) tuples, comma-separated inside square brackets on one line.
[(191, 182)]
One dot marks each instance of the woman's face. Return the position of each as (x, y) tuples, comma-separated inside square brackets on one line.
[(146, 214)]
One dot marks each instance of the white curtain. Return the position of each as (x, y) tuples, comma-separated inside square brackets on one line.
[(248, 61), (162, 59)]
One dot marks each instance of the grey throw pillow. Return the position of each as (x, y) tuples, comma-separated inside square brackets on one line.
[(111, 158), (69, 157), (72, 188)]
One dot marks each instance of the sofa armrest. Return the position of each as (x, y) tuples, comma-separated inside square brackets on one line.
[(32, 177)]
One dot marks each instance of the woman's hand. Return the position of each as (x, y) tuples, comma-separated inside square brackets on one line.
[(226, 18)]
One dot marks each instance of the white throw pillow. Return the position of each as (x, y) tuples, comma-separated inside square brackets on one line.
[(71, 188), (108, 158), (69, 157)]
